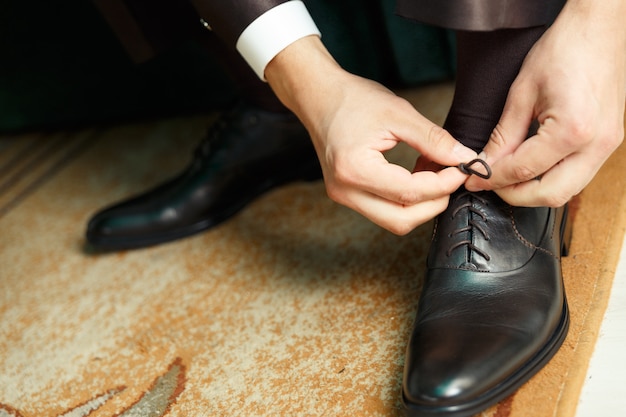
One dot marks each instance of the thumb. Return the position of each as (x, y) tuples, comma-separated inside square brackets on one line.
[(512, 129), (437, 145)]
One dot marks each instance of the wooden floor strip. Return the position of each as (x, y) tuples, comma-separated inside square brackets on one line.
[(35, 161)]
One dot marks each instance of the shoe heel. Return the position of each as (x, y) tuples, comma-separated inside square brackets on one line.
[(566, 231)]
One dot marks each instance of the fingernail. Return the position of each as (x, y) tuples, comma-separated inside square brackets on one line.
[(463, 152)]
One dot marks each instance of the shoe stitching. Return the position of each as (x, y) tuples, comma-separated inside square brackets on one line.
[(524, 240)]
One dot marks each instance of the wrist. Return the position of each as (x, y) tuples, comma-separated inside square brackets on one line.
[(606, 15), (598, 28), (305, 76)]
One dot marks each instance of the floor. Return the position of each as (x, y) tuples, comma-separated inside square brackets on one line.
[(603, 392)]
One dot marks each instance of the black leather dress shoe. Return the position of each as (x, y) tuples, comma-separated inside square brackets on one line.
[(492, 311), (246, 153)]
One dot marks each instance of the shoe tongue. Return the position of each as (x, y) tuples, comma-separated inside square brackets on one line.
[(460, 241), (479, 231)]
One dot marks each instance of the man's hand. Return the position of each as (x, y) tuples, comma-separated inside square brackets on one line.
[(352, 122), (573, 82)]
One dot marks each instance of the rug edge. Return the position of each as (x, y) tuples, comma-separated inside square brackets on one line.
[(567, 404)]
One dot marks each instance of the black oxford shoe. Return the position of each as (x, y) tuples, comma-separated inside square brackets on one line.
[(246, 153), (492, 311)]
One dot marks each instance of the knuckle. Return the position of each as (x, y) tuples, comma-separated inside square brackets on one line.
[(551, 197), (522, 173), (579, 132), (437, 134), (404, 106), (555, 200), (335, 193), (404, 223), (344, 172), (401, 227), (332, 194), (582, 133), (497, 136), (409, 197)]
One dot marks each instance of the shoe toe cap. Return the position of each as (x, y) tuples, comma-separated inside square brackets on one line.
[(445, 369)]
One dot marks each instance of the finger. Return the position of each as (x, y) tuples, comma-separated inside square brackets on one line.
[(432, 141), (511, 131), (558, 185), (396, 218), (396, 184), (533, 157), (512, 128), (425, 164)]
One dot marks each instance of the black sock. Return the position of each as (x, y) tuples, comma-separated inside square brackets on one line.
[(488, 63)]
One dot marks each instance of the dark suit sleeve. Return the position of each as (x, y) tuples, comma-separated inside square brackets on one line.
[(481, 15), (228, 19)]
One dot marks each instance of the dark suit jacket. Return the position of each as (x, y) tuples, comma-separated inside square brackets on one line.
[(230, 19), (480, 15), (147, 27), (164, 20)]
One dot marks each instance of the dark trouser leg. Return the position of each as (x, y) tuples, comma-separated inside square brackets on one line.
[(252, 89), (488, 63)]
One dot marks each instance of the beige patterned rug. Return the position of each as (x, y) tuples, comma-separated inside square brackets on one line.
[(296, 307)]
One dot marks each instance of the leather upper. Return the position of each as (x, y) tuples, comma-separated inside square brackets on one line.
[(247, 152), (492, 309)]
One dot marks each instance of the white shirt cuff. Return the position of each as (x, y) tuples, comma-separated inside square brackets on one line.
[(272, 32)]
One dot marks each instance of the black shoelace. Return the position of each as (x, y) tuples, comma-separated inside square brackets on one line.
[(213, 134), (467, 169), (473, 224)]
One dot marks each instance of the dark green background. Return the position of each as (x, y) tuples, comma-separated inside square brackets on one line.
[(61, 66)]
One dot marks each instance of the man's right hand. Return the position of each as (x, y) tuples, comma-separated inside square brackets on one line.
[(352, 122)]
